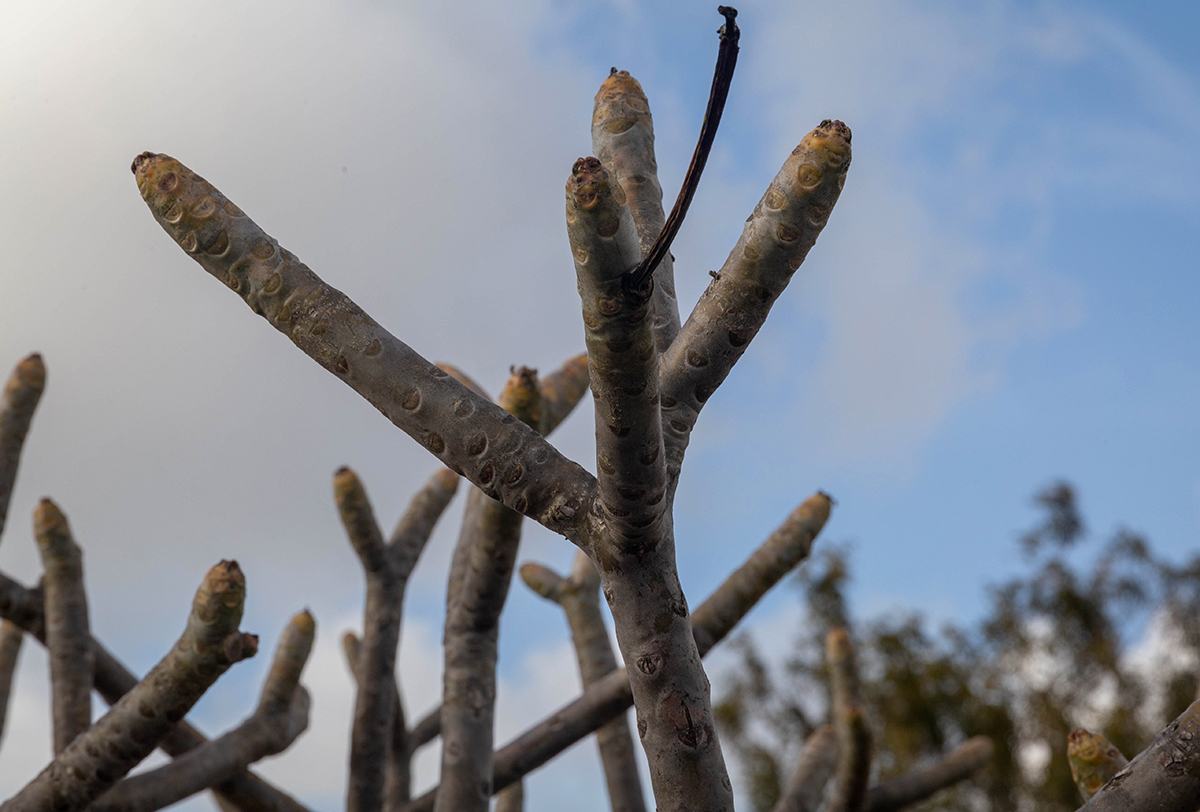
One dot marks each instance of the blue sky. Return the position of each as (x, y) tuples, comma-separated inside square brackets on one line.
[(1005, 295)]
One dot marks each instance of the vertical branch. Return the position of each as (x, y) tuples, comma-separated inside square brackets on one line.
[(68, 638), (132, 728), (854, 737), (579, 596), (20, 397), (373, 707), (511, 798), (623, 140), (10, 646), (484, 559), (560, 391)]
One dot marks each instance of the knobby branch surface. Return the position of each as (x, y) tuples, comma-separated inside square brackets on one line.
[(472, 436), (633, 547), (777, 237), (281, 716), (623, 140), (920, 783), (611, 696), (806, 785), (484, 560), (579, 596), (1094, 760), (849, 722), (1165, 777), (17, 403), (245, 791), (68, 639), (132, 728)]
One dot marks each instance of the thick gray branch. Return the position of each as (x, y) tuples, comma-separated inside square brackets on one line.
[(68, 639), (777, 237), (20, 397), (623, 140), (245, 791), (579, 596), (611, 696), (132, 728), (281, 716), (473, 437)]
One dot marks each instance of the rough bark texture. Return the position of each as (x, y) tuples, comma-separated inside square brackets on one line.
[(611, 696), (486, 554), (281, 716), (579, 596), (68, 639), (854, 737), (20, 397), (623, 140), (1165, 777), (806, 785), (505, 458), (917, 785), (373, 708), (10, 646), (132, 728), (778, 236), (245, 791)]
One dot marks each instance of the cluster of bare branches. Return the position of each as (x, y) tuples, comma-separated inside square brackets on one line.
[(650, 377)]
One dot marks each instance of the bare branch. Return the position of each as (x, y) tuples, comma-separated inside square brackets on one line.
[(281, 716), (484, 558), (561, 391), (622, 359), (20, 397), (777, 237), (806, 786), (511, 798), (473, 437), (623, 140), (113, 680), (132, 728), (611, 696), (10, 646), (854, 737), (916, 785), (68, 639), (579, 596)]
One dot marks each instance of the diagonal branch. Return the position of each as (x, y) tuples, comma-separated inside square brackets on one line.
[(475, 438), (11, 636), (245, 791), (806, 785), (19, 399), (916, 785), (132, 728), (281, 716), (711, 622), (777, 237)]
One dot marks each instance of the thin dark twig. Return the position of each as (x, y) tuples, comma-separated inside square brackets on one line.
[(638, 279)]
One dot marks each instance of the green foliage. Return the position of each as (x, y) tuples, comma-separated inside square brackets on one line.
[(1052, 654)]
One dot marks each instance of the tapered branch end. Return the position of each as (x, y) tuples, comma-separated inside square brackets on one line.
[(620, 103), (521, 396), (220, 599), (729, 30), (348, 490), (28, 378), (295, 644), (351, 647), (49, 524), (1094, 760), (829, 146), (542, 580), (446, 480)]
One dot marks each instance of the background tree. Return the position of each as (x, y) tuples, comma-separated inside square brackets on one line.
[(1099, 638)]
